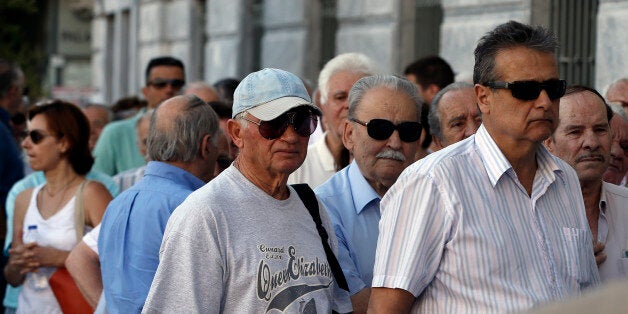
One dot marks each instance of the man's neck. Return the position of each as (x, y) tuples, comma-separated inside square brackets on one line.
[(592, 193), (275, 186), (522, 158)]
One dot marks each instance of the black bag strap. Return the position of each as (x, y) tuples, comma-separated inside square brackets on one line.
[(309, 200)]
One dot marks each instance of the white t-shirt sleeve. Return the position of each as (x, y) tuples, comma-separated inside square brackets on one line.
[(91, 238)]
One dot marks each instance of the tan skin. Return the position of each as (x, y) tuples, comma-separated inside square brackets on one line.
[(267, 163), (60, 178), (518, 127)]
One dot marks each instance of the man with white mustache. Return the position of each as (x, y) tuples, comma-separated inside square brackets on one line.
[(583, 140), (382, 134)]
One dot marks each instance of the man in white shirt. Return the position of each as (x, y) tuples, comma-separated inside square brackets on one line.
[(493, 223), (583, 140), (328, 155)]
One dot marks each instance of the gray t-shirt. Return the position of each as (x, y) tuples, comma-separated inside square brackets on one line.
[(232, 248)]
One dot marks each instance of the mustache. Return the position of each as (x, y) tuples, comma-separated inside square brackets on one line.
[(589, 156), (392, 154)]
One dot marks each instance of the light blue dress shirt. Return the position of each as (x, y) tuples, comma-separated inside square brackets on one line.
[(353, 207), (131, 233)]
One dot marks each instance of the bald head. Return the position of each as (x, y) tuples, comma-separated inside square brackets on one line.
[(178, 127), (202, 91), (618, 93)]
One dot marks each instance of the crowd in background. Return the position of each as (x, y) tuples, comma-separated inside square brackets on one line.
[(503, 193)]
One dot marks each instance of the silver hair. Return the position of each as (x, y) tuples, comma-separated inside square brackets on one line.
[(433, 117), (508, 35), (110, 115), (180, 139), (618, 110), (363, 85), (351, 62)]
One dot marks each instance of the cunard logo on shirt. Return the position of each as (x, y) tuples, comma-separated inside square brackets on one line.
[(277, 285)]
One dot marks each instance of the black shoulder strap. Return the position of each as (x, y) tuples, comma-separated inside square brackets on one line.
[(309, 200)]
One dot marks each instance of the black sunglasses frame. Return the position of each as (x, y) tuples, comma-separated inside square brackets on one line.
[(161, 83), (36, 136), (275, 128), (531, 90), (381, 129)]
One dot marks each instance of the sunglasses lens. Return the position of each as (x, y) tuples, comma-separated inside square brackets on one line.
[(528, 90), (177, 83), (304, 123), (161, 84), (555, 88), (380, 129), (409, 131), (36, 137), (274, 128)]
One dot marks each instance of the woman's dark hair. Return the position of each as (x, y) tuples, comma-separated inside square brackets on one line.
[(66, 120)]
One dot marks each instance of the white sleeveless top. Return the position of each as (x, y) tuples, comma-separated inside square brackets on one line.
[(58, 232)]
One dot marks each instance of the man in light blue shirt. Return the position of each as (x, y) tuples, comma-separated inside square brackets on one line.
[(182, 139), (382, 133)]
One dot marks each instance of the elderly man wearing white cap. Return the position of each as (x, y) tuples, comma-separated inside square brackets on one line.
[(247, 242)]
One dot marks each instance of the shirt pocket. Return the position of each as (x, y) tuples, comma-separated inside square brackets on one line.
[(578, 251)]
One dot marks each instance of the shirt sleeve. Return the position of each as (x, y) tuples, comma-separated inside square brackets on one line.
[(190, 272), (413, 231), (342, 299)]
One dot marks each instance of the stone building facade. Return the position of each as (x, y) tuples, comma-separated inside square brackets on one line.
[(230, 38)]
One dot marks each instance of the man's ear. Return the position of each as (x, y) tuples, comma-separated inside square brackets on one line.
[(235, 132), (432, 90), (483, 96), (549, 144), (144, 91), (206, 146), (347, 135)]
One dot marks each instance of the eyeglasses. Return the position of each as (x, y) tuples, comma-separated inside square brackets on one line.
[(530, 90), (161, 83), (303, 121), (380, 129), (35, 135)]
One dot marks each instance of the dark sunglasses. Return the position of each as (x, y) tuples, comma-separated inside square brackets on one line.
[(35, 135), (162, 83), (380, 129), (303, 121), (530, 90)]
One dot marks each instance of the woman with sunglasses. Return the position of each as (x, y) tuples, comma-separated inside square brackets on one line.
[(57, 143)]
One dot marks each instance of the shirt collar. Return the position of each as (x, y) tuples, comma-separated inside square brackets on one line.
[(602, 203), (497, 165), (361, 191), (173, 173), (323, 152)]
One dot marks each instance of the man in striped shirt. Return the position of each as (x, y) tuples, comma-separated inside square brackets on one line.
[(583, 139), (494, 223)]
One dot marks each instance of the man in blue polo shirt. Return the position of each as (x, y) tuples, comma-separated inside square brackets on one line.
[(382, 133)]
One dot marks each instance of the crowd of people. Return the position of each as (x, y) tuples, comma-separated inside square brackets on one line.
[(368, 192)]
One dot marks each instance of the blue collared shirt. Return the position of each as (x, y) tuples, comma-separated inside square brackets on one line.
[(353, 207), (131, 233)]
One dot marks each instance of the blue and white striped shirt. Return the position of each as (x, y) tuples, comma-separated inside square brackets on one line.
[(461, 233)]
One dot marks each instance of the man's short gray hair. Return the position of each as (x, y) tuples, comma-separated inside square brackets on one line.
[(10, 72), (434, 116), (508, 35), (351, 62), (180, 138), (363, 85)]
